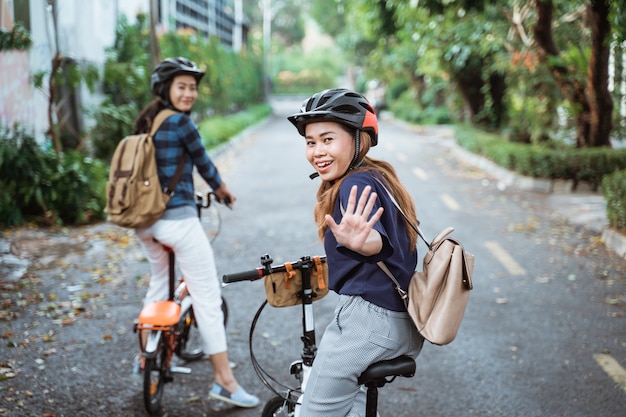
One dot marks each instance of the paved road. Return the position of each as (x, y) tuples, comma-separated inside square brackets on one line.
[(544, 334)]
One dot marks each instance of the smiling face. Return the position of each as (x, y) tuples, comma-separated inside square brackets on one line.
[(329, 149), (183, 92)]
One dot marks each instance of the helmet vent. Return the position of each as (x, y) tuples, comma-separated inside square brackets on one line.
[(346, 109)]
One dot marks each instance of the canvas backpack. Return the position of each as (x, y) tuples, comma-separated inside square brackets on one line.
[(135, 198)]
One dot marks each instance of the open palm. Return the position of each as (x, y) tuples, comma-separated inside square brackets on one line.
[(356, 229)]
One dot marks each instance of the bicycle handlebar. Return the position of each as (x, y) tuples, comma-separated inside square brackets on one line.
[(203, 200), (267, 269), (251, 275)]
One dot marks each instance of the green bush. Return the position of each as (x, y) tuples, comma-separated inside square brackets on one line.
[(113, 122), (45, 187), (541, 161), (614, 191), (218, 130), (406, 107), (17, 38)]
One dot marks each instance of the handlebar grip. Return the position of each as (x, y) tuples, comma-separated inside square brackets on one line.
[(251, 275)]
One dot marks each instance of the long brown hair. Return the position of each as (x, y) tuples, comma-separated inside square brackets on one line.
[(143, 123), (146, 116), (328, 191)]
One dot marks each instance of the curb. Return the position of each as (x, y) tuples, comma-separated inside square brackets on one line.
[(612, 239), (615, 241)]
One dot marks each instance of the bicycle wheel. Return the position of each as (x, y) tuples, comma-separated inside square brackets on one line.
[(154, 379), (278, 407), (189, 346)]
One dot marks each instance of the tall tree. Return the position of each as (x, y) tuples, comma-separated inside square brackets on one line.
[(590, 98)]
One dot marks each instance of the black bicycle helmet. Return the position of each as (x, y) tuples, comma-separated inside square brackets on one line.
[(338, 105), (170, 68)]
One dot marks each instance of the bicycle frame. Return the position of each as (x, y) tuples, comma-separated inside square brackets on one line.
[(376, 375)]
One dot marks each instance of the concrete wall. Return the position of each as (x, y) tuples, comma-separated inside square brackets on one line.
[(84, 30)]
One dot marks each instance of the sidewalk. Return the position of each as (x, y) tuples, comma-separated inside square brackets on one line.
[(582, 207)]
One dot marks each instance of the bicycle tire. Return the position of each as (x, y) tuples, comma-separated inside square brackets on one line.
[(278, 407), (189, 346), (155, 377)]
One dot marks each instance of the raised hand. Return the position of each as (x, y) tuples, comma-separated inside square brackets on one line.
[(356, 229)]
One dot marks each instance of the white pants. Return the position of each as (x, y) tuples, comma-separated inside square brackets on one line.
[(195, 259)]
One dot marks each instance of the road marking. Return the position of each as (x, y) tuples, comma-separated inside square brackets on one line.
[(450, 202), (420, 173), (613, 368), (505, 259)]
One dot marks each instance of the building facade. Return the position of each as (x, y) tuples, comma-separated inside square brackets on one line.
[(80, 31)]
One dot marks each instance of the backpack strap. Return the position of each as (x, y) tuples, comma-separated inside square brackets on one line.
[(403, 294), (158, 121), (395, 203)]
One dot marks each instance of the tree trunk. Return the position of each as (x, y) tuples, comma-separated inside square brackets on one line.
[(470, 83), (601, 102), (618, 77), (54, 137), (592, 103)]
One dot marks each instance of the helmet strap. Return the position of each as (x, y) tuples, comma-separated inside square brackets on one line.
[(357, 149)]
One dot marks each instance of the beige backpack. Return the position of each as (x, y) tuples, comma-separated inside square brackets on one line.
[(135, 198)]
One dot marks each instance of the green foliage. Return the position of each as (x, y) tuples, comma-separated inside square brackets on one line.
[(232, 81), (127, 66), (483, 52), (125, 83), (17, 38), (46, 187), (288, 22), (559, 162), (332, 24), (218, 130), (113, 122), (407, 107), (614, 192), (318, 71)]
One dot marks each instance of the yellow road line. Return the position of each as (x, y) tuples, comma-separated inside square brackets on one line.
[(450, 202), (504, 258), (420, 173), (613, 368)]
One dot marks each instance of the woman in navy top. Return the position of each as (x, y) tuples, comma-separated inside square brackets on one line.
[(174, 84), (359, 226)]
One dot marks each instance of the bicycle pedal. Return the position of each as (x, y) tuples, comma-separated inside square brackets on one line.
[(180, 370)]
